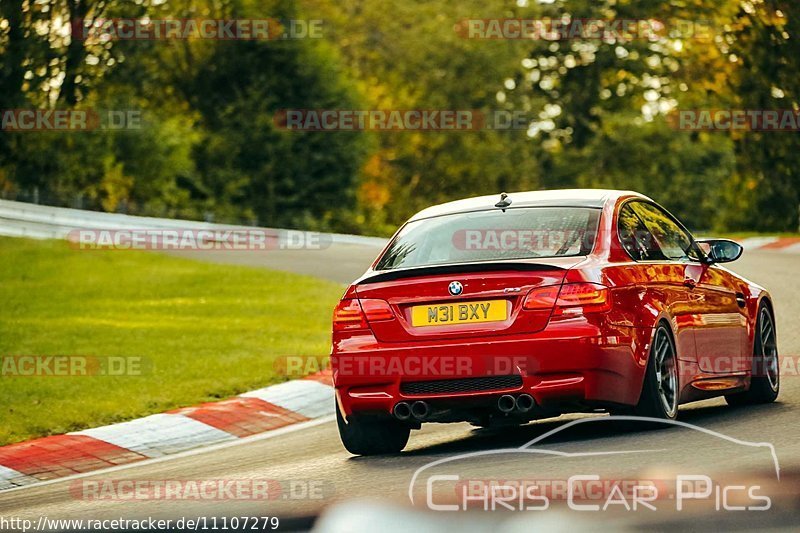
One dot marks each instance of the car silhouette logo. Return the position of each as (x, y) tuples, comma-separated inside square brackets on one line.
[(455, 288)]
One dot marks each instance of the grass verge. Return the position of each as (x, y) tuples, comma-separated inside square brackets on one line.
[(200, 331)]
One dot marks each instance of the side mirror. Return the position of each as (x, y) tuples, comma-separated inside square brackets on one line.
[(720, 250)]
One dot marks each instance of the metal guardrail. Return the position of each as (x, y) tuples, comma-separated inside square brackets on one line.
[(20, 219)]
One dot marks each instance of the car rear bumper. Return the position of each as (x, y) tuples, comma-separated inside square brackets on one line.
[(568, 363)]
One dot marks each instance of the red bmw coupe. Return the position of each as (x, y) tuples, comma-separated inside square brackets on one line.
[(509, 308)]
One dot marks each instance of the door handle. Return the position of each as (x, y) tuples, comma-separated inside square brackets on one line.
[(690, 283)]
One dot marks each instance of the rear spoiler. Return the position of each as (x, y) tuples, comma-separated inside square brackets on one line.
[(401, 273)]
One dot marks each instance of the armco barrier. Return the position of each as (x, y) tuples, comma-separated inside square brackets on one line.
[(19, 219)]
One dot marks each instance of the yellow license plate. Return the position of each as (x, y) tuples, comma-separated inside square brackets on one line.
[(459, 313)]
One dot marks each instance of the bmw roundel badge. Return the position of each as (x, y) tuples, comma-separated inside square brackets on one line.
[(455, 288)]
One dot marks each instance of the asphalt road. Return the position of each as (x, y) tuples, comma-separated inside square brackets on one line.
[(340, 262), (314, 470)]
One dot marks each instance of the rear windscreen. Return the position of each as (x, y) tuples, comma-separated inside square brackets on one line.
[(520, 233)]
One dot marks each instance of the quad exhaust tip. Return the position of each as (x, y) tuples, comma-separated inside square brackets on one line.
[(506, 403), (420, 410), (402, 411), (525, 403)]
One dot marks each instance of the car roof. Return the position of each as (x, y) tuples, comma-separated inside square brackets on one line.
[(595, 198)]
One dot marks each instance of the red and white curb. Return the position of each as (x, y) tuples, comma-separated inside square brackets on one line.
[(774, 244), (159, 435)]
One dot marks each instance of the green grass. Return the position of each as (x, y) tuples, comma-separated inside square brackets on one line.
[(203, 331)]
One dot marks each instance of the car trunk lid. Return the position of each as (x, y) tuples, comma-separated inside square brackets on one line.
[(490, 301)]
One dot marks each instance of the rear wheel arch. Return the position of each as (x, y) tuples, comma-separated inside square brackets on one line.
[(655, 401), (765, 384), (669, 324), (666, 321), (764, 301)]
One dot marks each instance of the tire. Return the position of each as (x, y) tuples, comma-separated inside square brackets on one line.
[(766, 383), (661, 387), (372, 436)]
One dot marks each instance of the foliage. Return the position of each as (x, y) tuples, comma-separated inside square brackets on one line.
[(597, 110)]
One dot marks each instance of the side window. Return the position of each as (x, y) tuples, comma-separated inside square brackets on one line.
[(674, 242), (636, 238)]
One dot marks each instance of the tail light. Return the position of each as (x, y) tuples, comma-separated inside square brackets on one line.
[(376, 310), (355, 314), (582, 298), (541, 298), (348, 315), (569, 299)]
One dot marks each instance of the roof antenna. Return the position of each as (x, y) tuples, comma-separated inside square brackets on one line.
[(504, 202)]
